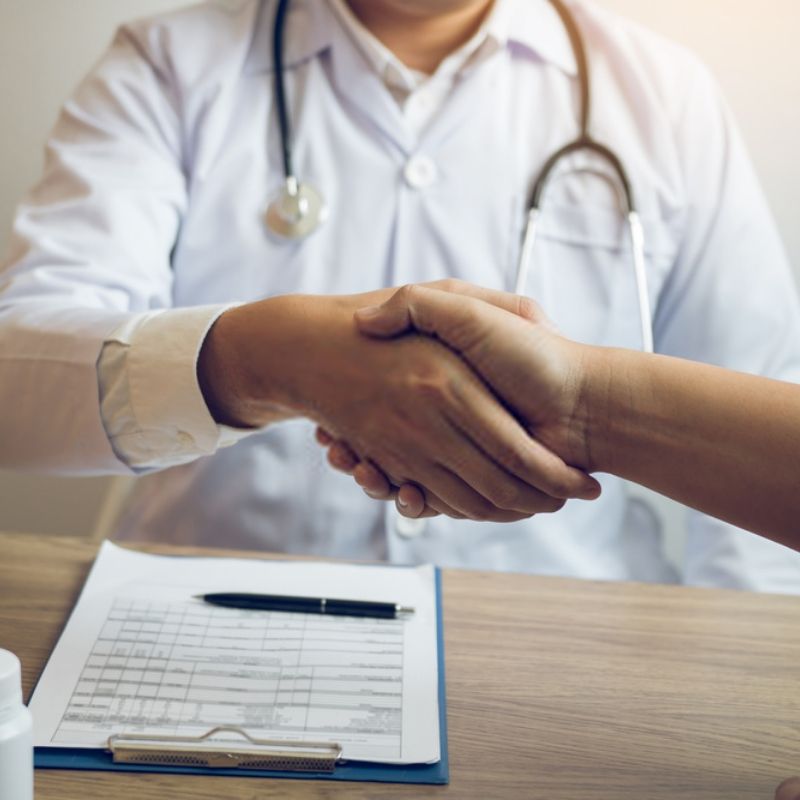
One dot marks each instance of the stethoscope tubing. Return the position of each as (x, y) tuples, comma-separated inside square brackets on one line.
[(585, 142), (284, 123), (300, 209)]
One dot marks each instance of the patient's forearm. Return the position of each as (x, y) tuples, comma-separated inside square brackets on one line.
[(723, 442)]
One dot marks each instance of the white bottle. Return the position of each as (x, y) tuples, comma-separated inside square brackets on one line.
[(16, 733)]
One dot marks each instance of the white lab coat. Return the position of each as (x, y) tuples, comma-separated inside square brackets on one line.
[(149, 219)]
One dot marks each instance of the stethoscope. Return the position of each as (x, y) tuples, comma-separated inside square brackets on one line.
[(299, 209)]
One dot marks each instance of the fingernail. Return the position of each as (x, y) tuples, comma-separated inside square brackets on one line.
[(402, 503), (368, 311), (591, 493)]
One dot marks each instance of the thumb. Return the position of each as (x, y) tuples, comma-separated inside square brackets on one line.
[(432, 307), (455, 319), (387, 320)]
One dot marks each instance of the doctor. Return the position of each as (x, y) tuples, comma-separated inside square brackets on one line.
[(149, 317)]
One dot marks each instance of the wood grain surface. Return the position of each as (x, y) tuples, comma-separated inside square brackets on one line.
[(557, 689)]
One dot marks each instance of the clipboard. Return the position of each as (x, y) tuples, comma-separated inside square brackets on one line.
[(301, 756)]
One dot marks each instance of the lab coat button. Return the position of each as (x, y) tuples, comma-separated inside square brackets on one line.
[(420, 172), (409, 528)]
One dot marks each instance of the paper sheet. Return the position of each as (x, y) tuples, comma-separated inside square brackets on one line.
[(140, 655)]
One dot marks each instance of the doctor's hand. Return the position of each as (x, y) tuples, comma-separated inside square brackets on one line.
[(507, 340), (408, 405)]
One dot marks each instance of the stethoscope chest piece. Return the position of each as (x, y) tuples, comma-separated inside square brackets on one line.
[(296, 211)]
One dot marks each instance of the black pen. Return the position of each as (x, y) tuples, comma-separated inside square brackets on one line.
[(306, 605)]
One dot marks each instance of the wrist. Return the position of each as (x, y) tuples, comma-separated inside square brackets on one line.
[(589, 426), (218, 374), (614, 388), (276, 358), (240, 368)]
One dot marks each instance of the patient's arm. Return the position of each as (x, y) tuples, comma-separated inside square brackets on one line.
[(723, 442)]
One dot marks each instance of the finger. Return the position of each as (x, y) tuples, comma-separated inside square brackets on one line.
[(469, 478), (416, 504), (462, 502), (373, 481), (499, 437), (465, 501), (788, 790), (448, 315), (421, 512), (323, 437), (410, 501), (426, 513), (413, 496), (503, 489), (446, 491), (507, 301), (342, 458), (435, 506)]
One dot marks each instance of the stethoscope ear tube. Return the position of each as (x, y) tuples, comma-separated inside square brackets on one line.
[(298, 209), (643, 296), (584, 141), (278, 32), (636, 232)]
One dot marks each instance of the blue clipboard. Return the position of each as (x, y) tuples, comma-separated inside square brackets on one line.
[(437, 773)]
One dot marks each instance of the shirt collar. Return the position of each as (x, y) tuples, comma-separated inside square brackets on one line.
[(392, 71), (533, 25), (309, 31)]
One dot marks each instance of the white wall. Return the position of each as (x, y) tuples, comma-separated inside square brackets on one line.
[(46, 45), (45, 48), (752, 47)]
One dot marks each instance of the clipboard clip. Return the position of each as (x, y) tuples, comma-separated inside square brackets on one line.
[(244, 752)]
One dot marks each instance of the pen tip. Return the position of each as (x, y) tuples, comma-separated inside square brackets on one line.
[(404, 610)]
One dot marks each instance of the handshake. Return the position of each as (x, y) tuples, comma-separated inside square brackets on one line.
[(464, 401), (499, 433)]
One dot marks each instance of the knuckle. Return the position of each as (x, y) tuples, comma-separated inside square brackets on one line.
[(401, 296), (528, 309), (514, 459), (478, 509), (432, 386), (505, 494), (471, 316), (404, 291), (554, 504), (447, 284), (558, 487)]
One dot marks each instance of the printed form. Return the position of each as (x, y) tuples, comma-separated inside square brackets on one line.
[(141, 655)]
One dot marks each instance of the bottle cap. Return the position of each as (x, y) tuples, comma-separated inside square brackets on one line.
[(10, 681)]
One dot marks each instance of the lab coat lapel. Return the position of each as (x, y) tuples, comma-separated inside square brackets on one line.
[(462, 105), (362, 92)]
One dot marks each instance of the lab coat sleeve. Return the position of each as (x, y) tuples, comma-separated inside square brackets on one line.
[(151, 403), (89, 258), (730, 300)]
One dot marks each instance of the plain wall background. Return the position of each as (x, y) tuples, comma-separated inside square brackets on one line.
[(47, 45)]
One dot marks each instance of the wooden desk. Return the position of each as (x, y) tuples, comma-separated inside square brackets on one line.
[(556, 689)]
